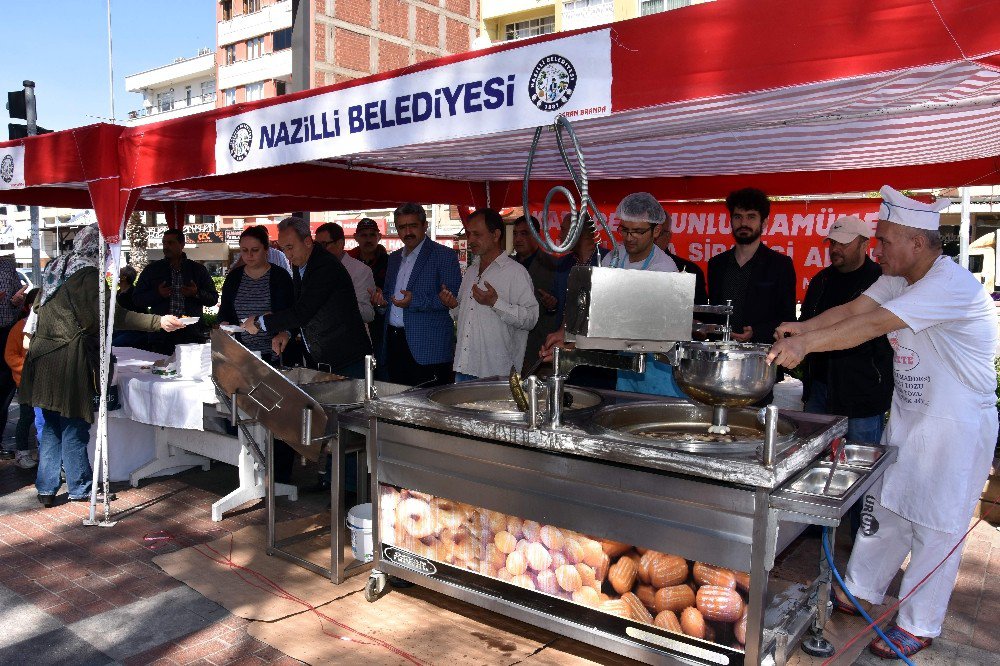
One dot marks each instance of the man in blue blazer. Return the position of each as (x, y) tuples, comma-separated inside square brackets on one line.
[(418, 342)]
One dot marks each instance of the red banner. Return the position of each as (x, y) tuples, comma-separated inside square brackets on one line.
[(795, 228)]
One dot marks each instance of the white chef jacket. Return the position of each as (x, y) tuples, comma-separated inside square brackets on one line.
[(364, 285), (657, 260), (943, 416), (491, 340)]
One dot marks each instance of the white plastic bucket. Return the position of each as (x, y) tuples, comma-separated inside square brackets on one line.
[(359, 521)]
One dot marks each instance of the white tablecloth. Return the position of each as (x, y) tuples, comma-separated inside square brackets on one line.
[(156, 400)]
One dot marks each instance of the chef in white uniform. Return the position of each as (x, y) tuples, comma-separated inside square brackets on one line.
[(943, 329)]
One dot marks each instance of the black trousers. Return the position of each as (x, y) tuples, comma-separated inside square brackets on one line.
[(404, 369)]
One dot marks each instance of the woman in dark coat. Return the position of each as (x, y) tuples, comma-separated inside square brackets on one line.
[(254, 287), (58, 375)]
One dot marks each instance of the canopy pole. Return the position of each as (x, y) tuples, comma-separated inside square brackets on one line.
[(111, 68), (963, 229)]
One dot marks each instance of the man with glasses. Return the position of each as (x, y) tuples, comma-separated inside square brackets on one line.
[(330, 237), (418, 343)]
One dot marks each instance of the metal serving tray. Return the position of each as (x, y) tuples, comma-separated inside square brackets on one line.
[(803, 494)]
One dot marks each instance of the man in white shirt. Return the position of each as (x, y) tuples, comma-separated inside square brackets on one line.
[(495, 306), (330, 237), (943, 329)]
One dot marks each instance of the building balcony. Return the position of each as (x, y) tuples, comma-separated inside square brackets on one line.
[(175, 109), (198, 67), (246, 26), (270, 66)]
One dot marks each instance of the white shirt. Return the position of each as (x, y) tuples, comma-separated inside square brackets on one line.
[(660, 261), (942, 417), (364, 285), (491, 340), (402, 279)]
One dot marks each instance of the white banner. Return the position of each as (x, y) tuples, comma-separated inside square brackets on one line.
[(516, 89), (12, 168)]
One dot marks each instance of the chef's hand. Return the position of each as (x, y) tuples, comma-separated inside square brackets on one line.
[(789, 328), (744, 336), (250, 325), (170, 323), (377, 298), (279, 342), (787, 352), (403, 302), (548, 301), (190, 290), (553, 340), (487, 297), (447, 298), (164, 290)]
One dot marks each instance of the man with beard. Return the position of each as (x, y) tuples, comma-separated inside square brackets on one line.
[(759, 281), (542, 269), (496, 304), (418, 337)]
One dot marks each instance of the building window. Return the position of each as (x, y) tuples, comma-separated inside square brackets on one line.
[(530, 28), (647, 7), (255, 48), (586, 13), (283, 39), (208, 91), (230, 94), (230, 54), (280, 88), (165, 100), (251, 6), (227, 10), (255, 91)]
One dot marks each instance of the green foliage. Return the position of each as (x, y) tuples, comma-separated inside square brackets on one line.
[(210, 319), (217, 280)]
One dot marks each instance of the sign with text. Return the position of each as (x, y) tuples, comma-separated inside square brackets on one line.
[(499, 92)]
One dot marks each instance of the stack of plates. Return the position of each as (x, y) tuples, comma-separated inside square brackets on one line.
[(193, 361)]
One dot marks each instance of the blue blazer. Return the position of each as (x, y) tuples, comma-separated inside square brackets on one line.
[(430, 331)]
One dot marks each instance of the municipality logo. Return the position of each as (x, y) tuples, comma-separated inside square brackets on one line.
[(240, 142), (552, 83), (7, 169)]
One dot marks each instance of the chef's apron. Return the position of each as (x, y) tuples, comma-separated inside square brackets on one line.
[(658, 378), (946, 433)]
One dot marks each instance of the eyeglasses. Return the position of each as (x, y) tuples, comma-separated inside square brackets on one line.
[(635, 232), (325, 244)]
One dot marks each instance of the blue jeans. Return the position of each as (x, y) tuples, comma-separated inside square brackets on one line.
[(64, 445), (867, 429), (462, 377)]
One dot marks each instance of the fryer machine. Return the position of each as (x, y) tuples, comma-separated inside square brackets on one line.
[(644, 527)]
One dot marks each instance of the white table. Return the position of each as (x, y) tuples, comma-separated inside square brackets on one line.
[(160, 430)]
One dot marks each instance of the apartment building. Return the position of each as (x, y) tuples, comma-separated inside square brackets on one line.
[(505, 20), (183, 87)]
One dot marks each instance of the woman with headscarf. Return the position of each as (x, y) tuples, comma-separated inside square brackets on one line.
[(58, 374), (10, 286)]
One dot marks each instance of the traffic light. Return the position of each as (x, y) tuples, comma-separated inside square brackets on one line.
[(18, 131), (17, 104), (21, 104)]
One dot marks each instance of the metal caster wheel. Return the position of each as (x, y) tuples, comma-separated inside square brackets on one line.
[(375, 587), (817, 646)]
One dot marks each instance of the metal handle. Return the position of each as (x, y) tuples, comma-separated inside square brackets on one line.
[(532, 382), (770, 434), (234, 412), (307, 426), (370, 392)]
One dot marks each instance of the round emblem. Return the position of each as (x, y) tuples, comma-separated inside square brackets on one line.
[(7, 168), (552, 82), (240, 142)]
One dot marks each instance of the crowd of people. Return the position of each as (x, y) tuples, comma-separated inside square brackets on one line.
[(913, 335)]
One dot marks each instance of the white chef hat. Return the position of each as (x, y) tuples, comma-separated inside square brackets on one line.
[(903, 210)]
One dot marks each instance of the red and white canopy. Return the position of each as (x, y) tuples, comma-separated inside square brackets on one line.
[(795, 98)]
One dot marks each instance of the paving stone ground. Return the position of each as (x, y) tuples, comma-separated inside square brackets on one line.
[(82, 596)]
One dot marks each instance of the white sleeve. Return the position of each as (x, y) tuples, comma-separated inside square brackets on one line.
[(363, 289), (881, 290), (930, 301), (522, 309), (31, 325)]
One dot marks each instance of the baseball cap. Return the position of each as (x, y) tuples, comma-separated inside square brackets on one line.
[(847, 228), (365, 224)]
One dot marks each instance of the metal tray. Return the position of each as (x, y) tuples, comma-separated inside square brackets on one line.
[(493, 400), (815, 480), (860, 455)]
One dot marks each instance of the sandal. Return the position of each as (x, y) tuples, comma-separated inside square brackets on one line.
[(907, 643), (842, 606)]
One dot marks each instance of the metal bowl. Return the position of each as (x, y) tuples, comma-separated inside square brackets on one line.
[(493, 400), (728, 374)]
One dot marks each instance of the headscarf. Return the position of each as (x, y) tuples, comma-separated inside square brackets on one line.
[(84, 254)]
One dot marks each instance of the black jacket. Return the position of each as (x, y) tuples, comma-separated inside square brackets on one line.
[(859, 380), (686, 266), (147, 294), (281, 287), (770, 295), (326, 311)]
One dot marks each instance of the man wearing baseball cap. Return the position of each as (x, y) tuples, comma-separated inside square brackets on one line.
[(857, 382), (942, 326)]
